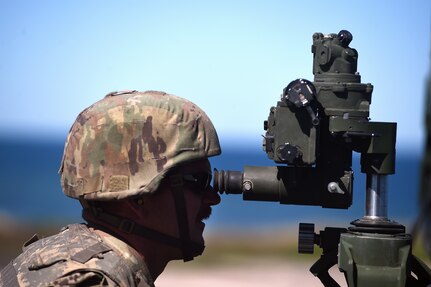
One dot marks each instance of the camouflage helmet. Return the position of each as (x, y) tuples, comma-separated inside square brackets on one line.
[(123, 145)]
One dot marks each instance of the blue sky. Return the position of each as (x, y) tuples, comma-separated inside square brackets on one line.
[(232, 58)]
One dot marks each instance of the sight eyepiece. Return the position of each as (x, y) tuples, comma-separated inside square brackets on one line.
[(227, 181)]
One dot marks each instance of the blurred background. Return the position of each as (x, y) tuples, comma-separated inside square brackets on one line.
[(232, 58)]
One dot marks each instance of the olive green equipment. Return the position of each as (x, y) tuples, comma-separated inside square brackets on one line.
[(423, 223), (311, 134)]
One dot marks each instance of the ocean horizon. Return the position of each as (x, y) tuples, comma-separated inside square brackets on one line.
[(31, 190)]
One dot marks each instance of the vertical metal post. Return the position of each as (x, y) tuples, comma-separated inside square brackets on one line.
[(376, 197)]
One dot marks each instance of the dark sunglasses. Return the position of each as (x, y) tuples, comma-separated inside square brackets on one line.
[(200, 181)]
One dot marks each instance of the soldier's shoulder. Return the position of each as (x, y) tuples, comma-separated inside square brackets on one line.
[(82, 278), (75, 256), (61, 258), (74, 241)]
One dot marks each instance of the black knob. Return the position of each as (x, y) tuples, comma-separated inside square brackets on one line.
[(299, 92), (306, 238), (288, 153), (345, 37)]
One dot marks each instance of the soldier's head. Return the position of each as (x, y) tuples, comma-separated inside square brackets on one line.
[(138, 163)]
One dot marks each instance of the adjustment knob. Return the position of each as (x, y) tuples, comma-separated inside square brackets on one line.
[(345, 37), (299, 92), (306, 238), (288, 153)]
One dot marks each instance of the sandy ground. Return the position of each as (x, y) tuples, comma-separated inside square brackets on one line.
[(270, 273)]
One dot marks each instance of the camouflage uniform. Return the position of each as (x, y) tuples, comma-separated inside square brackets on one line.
[(120, 147), (77, 256)]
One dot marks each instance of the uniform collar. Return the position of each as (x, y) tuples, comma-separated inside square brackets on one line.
[(135, 260)]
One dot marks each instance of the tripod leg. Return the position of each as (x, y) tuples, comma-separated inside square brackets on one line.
[(422, 272), (321, 267)]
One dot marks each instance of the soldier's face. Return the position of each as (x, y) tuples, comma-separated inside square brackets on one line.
[(199, 196), (159, 210)]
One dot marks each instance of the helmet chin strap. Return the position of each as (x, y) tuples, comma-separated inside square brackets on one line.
[(182, 219), (189, 248)]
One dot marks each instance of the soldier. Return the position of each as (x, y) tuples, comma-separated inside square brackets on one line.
[(138, 164)]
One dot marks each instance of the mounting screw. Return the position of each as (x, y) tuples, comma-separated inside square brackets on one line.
[(247, 185)]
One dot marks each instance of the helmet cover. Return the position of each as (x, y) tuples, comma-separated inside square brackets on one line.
[(123, 145)]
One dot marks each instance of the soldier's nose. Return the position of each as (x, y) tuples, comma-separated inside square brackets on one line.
[(211, 197)]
